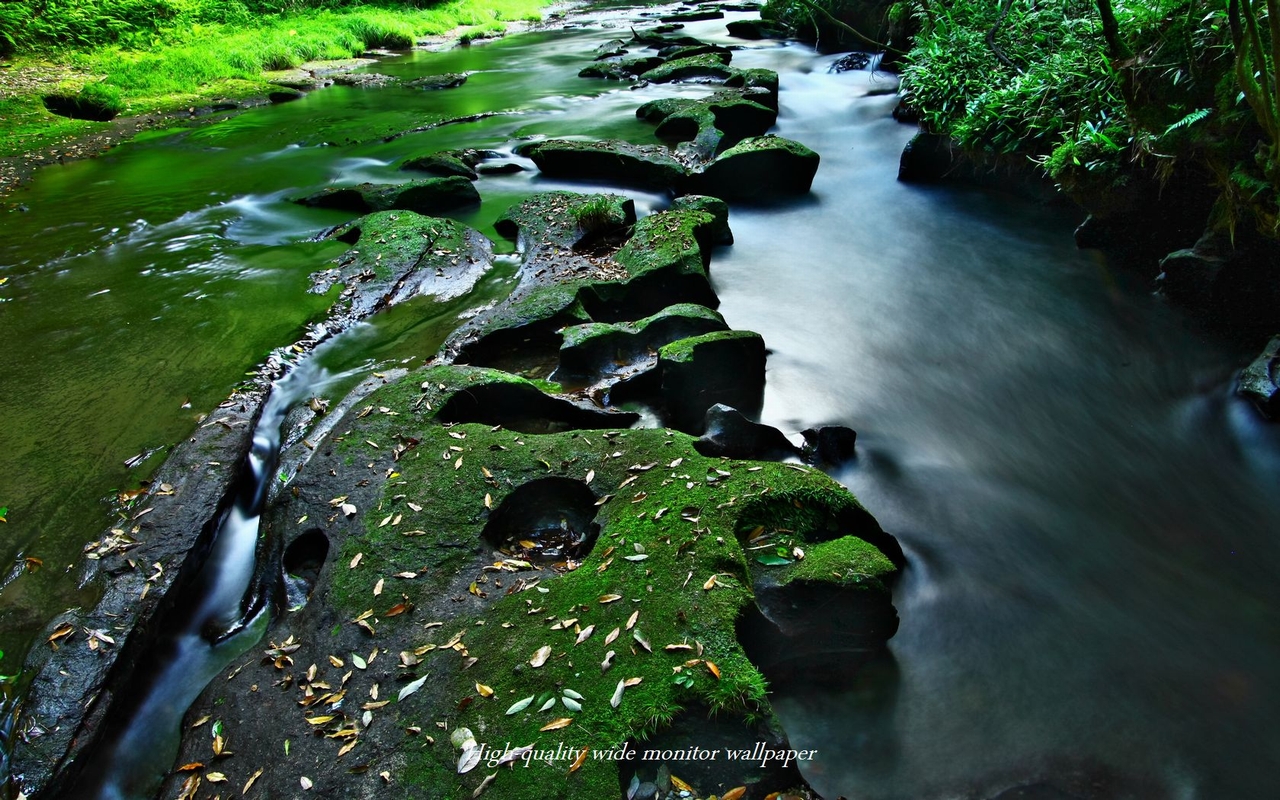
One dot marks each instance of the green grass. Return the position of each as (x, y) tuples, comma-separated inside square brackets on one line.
[(182, 54)]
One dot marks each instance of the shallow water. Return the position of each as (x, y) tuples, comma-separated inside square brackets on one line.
[(1090, 519)]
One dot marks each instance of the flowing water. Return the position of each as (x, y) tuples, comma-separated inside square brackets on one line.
[(1091, 521)]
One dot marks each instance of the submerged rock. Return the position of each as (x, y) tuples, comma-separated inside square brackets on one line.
[(1260, 381), (427, 196), (449, 80), (624, 69)]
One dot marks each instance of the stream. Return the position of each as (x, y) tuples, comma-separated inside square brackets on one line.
[(1090, 518)]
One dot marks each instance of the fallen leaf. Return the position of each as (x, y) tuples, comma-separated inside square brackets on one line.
[(485, 691), (585, 634), (609, 598), (713, 668), (640, 640), (409, 689), (540, 657), (613, 634), (579, 761), (355, 561), (484, 784), (735, 793), (557, 724), (520, 705), (631, 620), (306, 783), (469, 759), (514, 755), (249, 784), (377, 587), (616, 700), (216, 777)]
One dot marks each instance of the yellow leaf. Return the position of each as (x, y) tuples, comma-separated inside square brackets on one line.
[(735, 793), (216, 777), (484, 691), (610, 598), (580, 760), (681, 785), (557, 724), (321, 720), (714, 669), (249, 785)]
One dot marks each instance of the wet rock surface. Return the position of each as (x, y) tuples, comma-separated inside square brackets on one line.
[(427, 196), (1260, 381)]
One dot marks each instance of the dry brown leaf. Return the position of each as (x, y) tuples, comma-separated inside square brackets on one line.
[(580, 760), (714, 669), (540, 657), (631, 620), (736, 793), (355, 561), (610, 598), (613, 634)]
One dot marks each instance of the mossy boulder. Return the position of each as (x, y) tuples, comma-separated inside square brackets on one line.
[(445, 163), (709, 66), (623, 69), (927, 158), (611, 49), (665, 263), (711, 124), (697, 15), (672, 52), (609, 161), (600, 350), (697, 373), (717, 231), (427, 196), (1260, 381), (760, 168), (756, 29)]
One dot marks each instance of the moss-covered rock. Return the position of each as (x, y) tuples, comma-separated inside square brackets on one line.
[(623, 69), (759, 168), (609, 161), (699, 372), (707, 66), (448, 80), (445, 163), (697, 15), (715, 233), (711, 124), (428, 196), (672, 52), (399, 254), (756, 29), (599, 351)]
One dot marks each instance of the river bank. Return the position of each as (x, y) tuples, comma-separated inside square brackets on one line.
[(157, 85)]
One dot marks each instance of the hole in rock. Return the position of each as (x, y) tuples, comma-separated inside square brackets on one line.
[(547, 521), (304, 557), (522, 408)]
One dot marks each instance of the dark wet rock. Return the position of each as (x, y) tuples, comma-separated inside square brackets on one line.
[(427, 196), (926, 158), (600, 350), (748, 6), (663, 29), (283, 95), (708, 66), (905, 112), (829, 445), (851, 62), (697, 373), (759, 168), (449, 162), (728, 433), (693, 16), (610, 49), (646, 791), (396, 255), (717, 231), (624, 69), (449, 80), (1231, 280), (756, 29), (1260, 381), (609, 161), (710, 124)]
